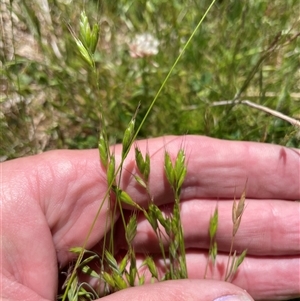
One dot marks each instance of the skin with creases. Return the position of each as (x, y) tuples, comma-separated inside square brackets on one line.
[(48, 202)]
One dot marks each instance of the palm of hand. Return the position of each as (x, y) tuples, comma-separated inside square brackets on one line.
[(51, 199)]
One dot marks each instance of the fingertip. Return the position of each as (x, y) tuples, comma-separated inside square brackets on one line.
[(233, 298), (182, 290)]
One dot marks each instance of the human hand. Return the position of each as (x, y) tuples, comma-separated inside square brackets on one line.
[(49, 201)]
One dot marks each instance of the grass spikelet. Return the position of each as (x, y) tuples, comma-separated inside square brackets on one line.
[(88, 36), (103, 150), (151, 266), (169, 170), (142, 164), (131, 229), (213, 247), (124, 197), (112, 262), (127, 138), (237, 213), (111, 171), (119, 281)]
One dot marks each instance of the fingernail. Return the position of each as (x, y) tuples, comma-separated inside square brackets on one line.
[(233, 298)]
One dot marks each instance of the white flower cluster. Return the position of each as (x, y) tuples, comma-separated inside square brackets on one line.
[(143, 45)]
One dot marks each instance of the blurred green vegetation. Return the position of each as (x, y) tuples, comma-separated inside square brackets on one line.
[(51, 99)]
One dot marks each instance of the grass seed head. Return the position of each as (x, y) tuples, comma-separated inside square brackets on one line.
[(146, 172), (140, 181), (131, 229), (88, 36), (123, 263), (180, 169), (84, 53), (151, 217), (89, 271), (142, 280), (108, 279), (125, 198), (213, 252), (241, 205), (112, 262), (213, 224), (241, 259), (140, 162), (103, 150), (151, 266), (169, 169), (111, 170), (127, 138), (119, 281)]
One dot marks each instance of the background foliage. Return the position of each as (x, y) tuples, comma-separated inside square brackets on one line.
[(49, 96)]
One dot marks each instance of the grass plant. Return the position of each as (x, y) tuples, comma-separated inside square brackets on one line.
[(56, 95)]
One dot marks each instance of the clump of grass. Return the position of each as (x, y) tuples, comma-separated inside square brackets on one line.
[(114, 276)]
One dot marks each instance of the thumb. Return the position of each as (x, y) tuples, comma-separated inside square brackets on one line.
[(182, 290)]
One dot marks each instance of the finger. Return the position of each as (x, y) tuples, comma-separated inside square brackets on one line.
[(182, 290), (264, 278), (268, 227), (218, 168), (70, 185)]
